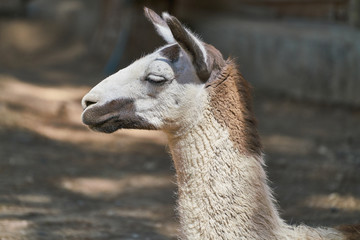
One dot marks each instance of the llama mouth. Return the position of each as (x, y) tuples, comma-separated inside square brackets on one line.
[(110, 116), (115, 123), (109, 125), (114, 115)]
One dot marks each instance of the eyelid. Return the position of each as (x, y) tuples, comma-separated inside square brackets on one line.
[(155, 78)]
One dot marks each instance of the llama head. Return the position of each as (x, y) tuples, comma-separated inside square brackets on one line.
[(164, 90)]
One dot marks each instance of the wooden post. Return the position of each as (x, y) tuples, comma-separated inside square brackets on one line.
[(354, 13)]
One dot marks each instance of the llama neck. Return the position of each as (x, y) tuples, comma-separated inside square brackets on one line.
[(222, 192)]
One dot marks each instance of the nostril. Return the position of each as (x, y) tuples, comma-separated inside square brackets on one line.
[(88, 100), (88, 103)]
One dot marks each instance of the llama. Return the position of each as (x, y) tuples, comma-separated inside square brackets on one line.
[(203, 104)]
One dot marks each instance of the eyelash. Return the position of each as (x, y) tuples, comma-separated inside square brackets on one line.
[(158, 82)]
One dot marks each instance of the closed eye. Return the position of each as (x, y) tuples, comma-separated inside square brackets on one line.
[(155, 79)]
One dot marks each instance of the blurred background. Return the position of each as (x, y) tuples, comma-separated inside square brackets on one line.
[(58, 180)]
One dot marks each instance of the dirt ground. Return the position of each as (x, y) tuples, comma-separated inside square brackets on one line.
[(59, 180)]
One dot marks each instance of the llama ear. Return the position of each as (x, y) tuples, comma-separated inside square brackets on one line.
[(192, 45), (160, 25)]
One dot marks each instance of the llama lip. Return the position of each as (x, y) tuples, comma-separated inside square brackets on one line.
[(114, 115), (109, 125), (90, 118), (111, 122), (101, 123), (121, 122), (108, 117)]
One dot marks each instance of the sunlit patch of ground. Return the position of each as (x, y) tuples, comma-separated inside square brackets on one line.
[(334, 201), (14, 229), (288, 144), (99, 187)]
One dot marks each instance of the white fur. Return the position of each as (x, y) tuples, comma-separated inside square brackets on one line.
[(212, 175), (158, 105), (223, 194), (165, 33)]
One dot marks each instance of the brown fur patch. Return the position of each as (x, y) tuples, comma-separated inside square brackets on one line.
[(351, 232), (231, 104), (172, 52), (114, 115)]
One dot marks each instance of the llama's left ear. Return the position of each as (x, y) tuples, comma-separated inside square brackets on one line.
[(172, 31), (191, 44), (160, 25)]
